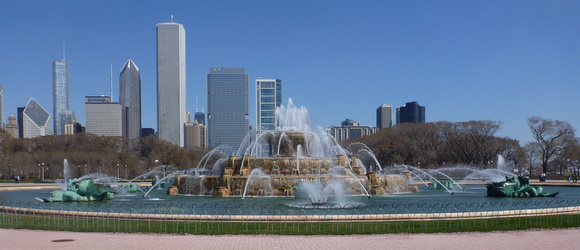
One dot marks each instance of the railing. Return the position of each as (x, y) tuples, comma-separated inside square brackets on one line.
[(281, 219)]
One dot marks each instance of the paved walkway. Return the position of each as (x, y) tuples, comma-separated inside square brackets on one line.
[(533, 239)]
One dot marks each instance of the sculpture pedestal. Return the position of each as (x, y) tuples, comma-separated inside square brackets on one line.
[(222, 192), (172, 190)]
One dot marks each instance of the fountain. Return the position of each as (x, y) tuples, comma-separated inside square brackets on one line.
[(293, 157)]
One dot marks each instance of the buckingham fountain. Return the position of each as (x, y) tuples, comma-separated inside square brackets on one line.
[(292, 160)]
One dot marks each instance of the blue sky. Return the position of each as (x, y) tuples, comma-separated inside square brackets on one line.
[(464, 60)]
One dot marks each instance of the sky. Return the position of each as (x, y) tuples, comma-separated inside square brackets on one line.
[(463, 60)]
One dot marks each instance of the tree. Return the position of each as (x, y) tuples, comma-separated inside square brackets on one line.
[(553, 137)]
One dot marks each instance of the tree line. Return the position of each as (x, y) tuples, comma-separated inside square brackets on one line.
[(427, 145), (88, 153), (474, 143)]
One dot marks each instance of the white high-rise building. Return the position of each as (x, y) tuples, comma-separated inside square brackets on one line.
[(171, 112), (130, 100)]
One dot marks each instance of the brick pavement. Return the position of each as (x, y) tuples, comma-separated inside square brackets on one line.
[(560, 239)]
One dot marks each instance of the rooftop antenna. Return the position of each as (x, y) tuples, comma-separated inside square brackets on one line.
[(171, 18), (111, 80), (196, 109), (63, 52)]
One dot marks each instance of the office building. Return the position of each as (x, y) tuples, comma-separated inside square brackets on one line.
[(73, 128), (12, 127), (195, 135), (20, 114), (350, 130), (103, 117), (199, 117), (269, 97), (147, 132), (384, 116), (171, 113), (130, 100), (60, 85), (35, 120), (227, 106), (411, 112), (1, 107)]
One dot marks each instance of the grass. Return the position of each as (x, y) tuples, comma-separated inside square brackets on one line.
[(80, 224)]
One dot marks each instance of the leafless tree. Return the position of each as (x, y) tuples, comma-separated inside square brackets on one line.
[(553, 137)]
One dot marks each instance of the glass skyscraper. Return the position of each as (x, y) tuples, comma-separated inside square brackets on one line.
[(269, 96), (1, 108), (130, 100), (60, 85), (227, 106), (411, 112), (35, 120), (171, 113)]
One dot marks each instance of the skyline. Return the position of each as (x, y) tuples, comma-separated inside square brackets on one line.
[(500, 61)]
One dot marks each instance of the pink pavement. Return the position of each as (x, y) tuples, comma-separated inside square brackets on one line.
[(560, 239)]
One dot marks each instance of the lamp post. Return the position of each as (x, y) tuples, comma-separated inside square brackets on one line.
[(126, 175), (118, 174), (79, 172), (42, 172), (9, 165)]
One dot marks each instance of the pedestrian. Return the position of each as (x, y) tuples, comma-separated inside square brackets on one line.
[(569, 177)]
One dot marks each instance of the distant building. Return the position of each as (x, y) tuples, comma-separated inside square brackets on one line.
[(20, 122), (130, 100), (384, 116), (12, 127), (227, 106), (269, 97), (147, 132), (350, 130), (199, 117), (1, 108), (171, 83), (35, 120), (411, 112), (73, 128), (195, 135), (60, 85), (103, 117)]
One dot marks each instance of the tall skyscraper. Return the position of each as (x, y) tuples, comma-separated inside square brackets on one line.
[(20, 117), (195, 135), (35, 120), (130, 100), (60, 85), (1, 108), (384, 116), (269, 96), (103, 117), (227, 106), (171, 113), (411, 112)]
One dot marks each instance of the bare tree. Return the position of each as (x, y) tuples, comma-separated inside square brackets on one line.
[(553, 137)]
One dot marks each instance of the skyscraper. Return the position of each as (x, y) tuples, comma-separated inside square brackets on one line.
[(103, 117), (171, 113), (227, 106), (411, 112), (199, 117), (384, 116), (35, 120), (269, 96), (130, 100), (1, 107), (20, 117), (60, 85)]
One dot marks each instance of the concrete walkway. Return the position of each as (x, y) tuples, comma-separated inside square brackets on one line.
[(533, 239)]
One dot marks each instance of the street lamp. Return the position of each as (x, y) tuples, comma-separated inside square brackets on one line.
[(118, 174), (9, 165), (126, 175), (42, 172)]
